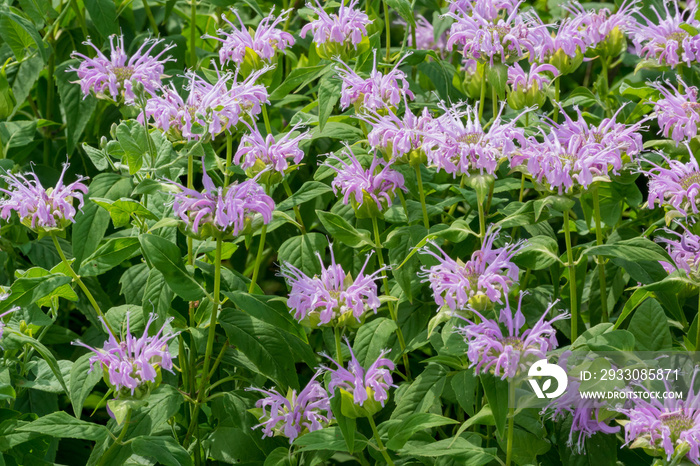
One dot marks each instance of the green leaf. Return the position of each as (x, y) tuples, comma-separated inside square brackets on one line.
[(157, 296), (310, 190), (400, 432), (63, 291), (372, 337), (464, 385), (300, 251), (98, 157), (540, 252), (632, 303), (62, 425), (263, 344), (401, 242), (404, 9), (497, 75), (496, 392), (7, 98), (104, 16), (134, 144), (91, 225), (347, 425), (20, 34), (298, 78), (635, 250), (26, 291), (165, 256), (459, 448), (616, 340), (440, 74), (650, 328), (341, 230), (422, 394), (45, 353), (328, 95), (123, 209), (330, 438), (82, 381), (109, 255), (163, 449), (78, 108), (582, 97)]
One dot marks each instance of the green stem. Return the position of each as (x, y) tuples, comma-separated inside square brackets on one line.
[(190, 185), (556, 99), (297, 213), (210, 341), (388, 31), (118, 441), (49, 106), (494, 99), (454, 206), (482, 220), (338, 347), (193, 33), (511, 421), (601, 260), (378, 439), (151, 19), (572, 278), (151, 145), (268, 128), (229, 156), (402, 198), (80, 283), (258, 258), (419, 180), (482, 97), (387, 290)]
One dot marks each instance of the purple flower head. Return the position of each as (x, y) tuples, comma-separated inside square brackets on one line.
[(684, 249), (376, 185), (268, 152), (264, 41), (678, 113), (333, 297), (535, 78), (396, 136), (585, 412), (608, 137), (489, 9), (133, 363), (40, 208), (2, 316), (365, 385), (668, 42), (490, 272), (465, 148), (665, 425), (117, 75), (290, 416), (347, 26), (214, 107), (494, 40), (562, 165), (598, 27), (425, 36), (227, 210), (677, 186), (504, 352), (377, 92)]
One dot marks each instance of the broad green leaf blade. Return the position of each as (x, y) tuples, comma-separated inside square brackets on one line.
[(82, 381), (62, 425), (77, 107), (26, 291), (109, 255), (165, 450), (165, 256), (104, 15)]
